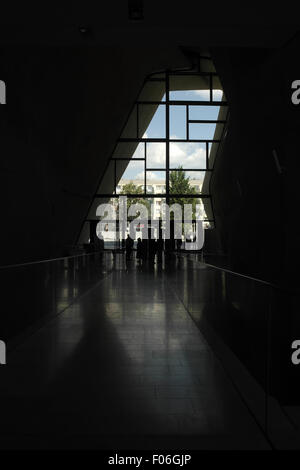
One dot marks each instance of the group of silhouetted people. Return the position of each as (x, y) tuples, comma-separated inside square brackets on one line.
[(146, 249)]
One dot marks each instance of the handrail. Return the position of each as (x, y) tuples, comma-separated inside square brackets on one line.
[(46, 260), (269, 284)]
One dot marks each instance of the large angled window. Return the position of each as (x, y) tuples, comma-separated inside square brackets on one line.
[(167, 148)]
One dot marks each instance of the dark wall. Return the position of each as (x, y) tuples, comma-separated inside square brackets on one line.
[(65, 109), (255, 206)]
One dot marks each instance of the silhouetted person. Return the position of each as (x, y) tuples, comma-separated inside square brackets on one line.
[(144, 248), (99, 242), (178, 244), (99, 245), (152, 250), (160, 248), (129, 246), (139, 249)]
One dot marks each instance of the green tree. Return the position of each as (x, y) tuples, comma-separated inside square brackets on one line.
[(131, 188), (180, 184)]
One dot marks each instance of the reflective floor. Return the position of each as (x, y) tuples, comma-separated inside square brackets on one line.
[(123, 367)]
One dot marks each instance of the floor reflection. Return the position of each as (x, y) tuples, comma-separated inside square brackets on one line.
[(123, 367)]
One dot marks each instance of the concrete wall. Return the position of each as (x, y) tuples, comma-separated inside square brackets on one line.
[(65, 109), (255, 206)]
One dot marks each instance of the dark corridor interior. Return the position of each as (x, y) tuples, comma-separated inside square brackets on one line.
[(151, 344)]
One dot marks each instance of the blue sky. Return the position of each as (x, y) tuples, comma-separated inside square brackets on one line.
[(189, 155)]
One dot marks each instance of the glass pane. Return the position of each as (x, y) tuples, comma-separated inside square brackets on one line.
[(190, 95), (188, 155), (203, 131), (177, 122), (217, 95), (204, 112), (155, 182), (185, 228), (157, 204), (196, 180), (130, 176), (129, 150), (156, 155), (188, 228), (152, 121), (186, 182), (198, 207), (152, 91)]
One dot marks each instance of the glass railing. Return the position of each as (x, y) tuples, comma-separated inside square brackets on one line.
[(32, 292), (251, 325)]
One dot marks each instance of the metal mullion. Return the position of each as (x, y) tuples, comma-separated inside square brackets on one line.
[(127, 159), (116, 221), (196, 140), (145, 166), (146, 139), (156, 195), (206, 121), (187, 123), (165, 140), (184, 103), (167, 137), (187, 169), (137, 120), (197, 103), (157, 169)]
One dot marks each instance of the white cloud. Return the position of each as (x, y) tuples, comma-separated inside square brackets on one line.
[(151, 175), (156, 155), (204, 94), (139, 176), (188, 155)]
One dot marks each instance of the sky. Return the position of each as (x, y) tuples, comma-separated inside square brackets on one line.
[(189, 155)]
